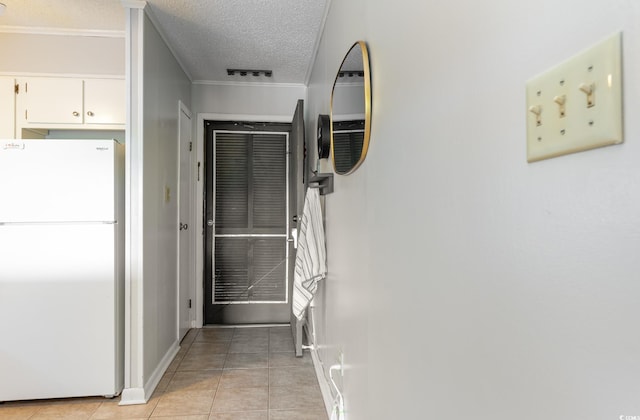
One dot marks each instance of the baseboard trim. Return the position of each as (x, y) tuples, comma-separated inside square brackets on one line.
[(132, 396), (162, 367), (325, 387)]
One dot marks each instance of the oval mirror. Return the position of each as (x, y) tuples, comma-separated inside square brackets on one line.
[(351, 111)]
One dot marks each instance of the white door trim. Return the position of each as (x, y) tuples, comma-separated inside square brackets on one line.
[(199, 196), (190, 261)]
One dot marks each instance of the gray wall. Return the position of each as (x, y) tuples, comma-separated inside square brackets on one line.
[(238, 99), (464, 282), (164, 85)]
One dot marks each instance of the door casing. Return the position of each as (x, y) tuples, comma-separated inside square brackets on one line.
[(199, 196), (186, 260)]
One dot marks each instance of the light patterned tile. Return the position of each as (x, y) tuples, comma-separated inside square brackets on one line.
[(183, 403), (164, 383), (181, 352), (293, 376), (111, 410), (281, 344), (189, 337), (241, 415), (250, 345), (245, 378), (214, 335), (175, 363), (282, 359), (241, 399), (196, 380), (297, 415), (17, 411), (251, 332), (202, 362), (280, 332), (220, 347), (295, 398), (246, 360), (67, 409)]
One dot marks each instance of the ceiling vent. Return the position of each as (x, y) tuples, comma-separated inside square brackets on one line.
[(351, 73), (246, 72)]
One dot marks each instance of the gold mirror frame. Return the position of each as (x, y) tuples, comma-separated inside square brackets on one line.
[(367, 105)]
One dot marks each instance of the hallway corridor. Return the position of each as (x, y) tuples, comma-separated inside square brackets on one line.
[(218, 374)]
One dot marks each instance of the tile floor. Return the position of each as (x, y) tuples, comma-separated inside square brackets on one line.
[(219, 374)]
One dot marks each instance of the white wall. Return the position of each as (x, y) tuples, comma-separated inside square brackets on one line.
[(463, 281), (64, 54)]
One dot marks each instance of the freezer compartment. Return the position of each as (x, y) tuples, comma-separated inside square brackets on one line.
[(59, 180), (61, 318)]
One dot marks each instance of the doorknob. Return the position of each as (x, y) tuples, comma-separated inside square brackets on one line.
[(295, 218), (184, 226), (209, 222)]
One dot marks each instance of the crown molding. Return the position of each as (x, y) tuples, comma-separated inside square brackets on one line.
[(33, 30), (134, 4)]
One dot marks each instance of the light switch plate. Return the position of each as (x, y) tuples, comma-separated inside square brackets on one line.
[(576, 105)]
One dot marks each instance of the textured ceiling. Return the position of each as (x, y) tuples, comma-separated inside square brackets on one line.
[(208, 36)]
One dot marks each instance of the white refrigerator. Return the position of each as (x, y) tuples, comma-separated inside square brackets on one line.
[(61, 268)]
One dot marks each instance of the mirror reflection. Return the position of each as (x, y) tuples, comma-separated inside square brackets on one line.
[(351, 111)]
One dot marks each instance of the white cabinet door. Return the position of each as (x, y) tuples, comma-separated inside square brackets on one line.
[(104, 101), (7, 108), (52, 100)]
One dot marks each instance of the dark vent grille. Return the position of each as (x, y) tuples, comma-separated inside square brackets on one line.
[(347, 149), (251, 199), (269, 181), (232, 183), (250, 270)]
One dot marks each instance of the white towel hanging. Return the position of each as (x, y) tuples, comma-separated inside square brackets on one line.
[(311, 257)]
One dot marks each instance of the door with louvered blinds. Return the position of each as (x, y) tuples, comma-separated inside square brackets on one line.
[(248, 203)]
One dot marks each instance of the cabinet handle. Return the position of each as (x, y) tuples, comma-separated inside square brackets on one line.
[(90, 114), (76, 113)]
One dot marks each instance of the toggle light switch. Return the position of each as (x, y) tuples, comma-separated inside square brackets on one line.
[(560, 100), (586, 91), (537, 111)]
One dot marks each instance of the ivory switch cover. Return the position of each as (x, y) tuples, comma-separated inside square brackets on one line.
[(576, 105)]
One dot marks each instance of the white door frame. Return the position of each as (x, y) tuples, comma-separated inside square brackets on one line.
[(199, 196), (190, 258)]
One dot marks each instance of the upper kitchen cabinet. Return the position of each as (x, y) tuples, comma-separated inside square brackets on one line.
[(50, 100), (104, 101), (7, 107), (57, 102)]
